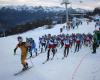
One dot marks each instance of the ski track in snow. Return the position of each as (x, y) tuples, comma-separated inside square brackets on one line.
[(77, 66)]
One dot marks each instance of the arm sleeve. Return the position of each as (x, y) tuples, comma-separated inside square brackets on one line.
[(15, 48)]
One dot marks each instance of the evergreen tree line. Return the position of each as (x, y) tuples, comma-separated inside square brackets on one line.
[(26, 27), (95, 11)]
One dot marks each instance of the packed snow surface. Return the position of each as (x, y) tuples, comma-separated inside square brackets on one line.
[(77, 66)]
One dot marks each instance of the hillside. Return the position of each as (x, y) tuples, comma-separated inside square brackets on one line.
[(77, 66)]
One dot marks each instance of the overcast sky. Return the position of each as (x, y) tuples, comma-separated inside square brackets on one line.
[(89, 4)]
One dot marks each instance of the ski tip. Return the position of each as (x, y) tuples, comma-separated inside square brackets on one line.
[(20, 72)]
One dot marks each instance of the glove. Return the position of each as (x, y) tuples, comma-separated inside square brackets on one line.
[(14, 51)]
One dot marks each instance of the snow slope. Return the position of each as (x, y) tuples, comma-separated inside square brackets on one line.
[(77, 66)]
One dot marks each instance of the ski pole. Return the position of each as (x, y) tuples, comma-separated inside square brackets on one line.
[(31, 62)]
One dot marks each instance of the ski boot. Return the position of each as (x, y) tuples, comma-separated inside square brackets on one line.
[(25, 67)]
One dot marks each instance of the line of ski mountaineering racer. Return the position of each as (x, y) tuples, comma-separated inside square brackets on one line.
[(50, 43)]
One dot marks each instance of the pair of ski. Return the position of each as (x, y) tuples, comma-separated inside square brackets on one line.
[(47, 61), (22, 71), (52, 59), (64, 57)]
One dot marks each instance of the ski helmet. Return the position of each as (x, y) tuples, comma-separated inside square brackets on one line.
[(20, 39)]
